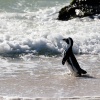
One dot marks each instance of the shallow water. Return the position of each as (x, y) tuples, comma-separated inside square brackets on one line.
[(45, 77)]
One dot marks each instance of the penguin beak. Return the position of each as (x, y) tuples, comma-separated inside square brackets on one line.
[(66, 40)]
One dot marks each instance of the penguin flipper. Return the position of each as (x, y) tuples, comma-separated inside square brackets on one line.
[(64, 60), (66, 55)]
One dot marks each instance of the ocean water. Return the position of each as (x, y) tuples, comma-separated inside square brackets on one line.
[(31, 44)]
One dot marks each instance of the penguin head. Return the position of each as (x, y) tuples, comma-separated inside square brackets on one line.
[(68, 41)]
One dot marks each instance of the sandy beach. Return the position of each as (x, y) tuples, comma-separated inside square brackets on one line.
[(51, 80)]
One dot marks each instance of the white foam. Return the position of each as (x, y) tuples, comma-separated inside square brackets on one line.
[(39, 32)]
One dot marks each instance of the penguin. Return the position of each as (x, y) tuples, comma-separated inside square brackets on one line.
[(70, 59)]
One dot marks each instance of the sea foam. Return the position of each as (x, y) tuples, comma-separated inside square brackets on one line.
[(40, 32)]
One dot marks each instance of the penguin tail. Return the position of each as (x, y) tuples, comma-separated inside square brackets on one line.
[(83, 71)]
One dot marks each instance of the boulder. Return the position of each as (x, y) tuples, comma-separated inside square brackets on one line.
[(79, 8)]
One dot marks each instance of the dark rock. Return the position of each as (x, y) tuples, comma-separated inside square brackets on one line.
[(79, 8)]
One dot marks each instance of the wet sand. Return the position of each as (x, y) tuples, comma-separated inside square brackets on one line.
[(51, 80)]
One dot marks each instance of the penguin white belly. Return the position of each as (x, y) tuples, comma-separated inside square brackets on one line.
[(71, 67)]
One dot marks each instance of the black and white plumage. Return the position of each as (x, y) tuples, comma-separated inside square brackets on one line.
[(70, 59)]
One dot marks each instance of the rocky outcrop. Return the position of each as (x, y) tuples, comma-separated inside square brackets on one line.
[(79, 8)]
